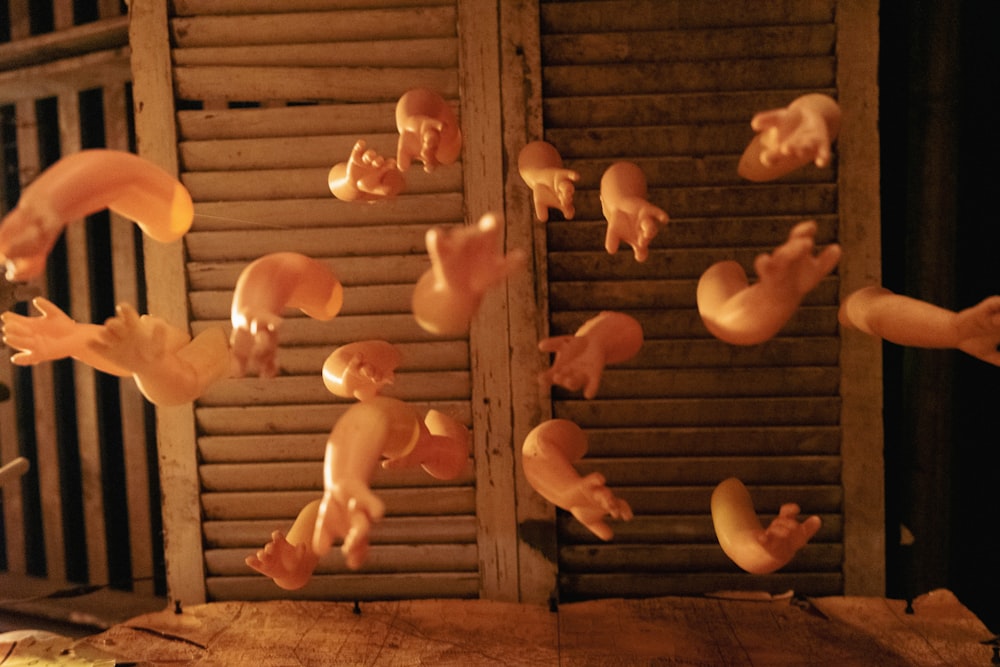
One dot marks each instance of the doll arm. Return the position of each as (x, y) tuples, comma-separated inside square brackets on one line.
[(54, 335), (264, 289), (290, 561), (442, 450), (742, 314), (906, 321), (790, 138), (81, 184), (365, 176), (745, 540), (548, 454)]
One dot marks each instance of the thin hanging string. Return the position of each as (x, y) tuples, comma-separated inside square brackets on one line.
[(223, 218)]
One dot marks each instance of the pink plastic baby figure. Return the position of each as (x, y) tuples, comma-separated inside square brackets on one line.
[(366, 176), (745, 540), (549, 452), (84, 183), (903, 320), (168, 366), (465, 263), (608, 338), (264, 289), (742, 314), (360, 370), (428, 130), (790, 138), (630, 217), (541, 167)]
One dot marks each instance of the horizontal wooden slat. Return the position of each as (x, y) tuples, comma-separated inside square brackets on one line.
[(778, 352), (672, 529), (729, 231), (677, 499), (351, 271), (358, 300), (653, 140), (333, 26), (629, 294), (98, 69), (315, 242), (438, 52), (284, 447), (66, 42), (589, 586), (227, 7), (717, 75), (308, 476), (713, 440), (342, 330), (381, 559), (692, 559), (288, 390), (688, 470), (238, 506), (294, 121), (345, 84), (391, 530), (670, 171), (700, 45), (789, 411), (644, 15), (351, 587), (717, 383), (296, 418), (633, 109)]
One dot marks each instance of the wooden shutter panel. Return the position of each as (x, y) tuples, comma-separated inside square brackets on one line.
[(270, 96), (672, 86)]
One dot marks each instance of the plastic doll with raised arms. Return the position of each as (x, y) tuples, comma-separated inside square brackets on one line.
[(548, 455), (607, 338), (84, 183), (744, 539), (630, 216), (790, 138), (428, 130), (365, 176), (739, 313), (911, 322), (552, 185), (168, 366)]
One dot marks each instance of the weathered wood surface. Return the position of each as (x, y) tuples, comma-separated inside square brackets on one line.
[(839, 631)]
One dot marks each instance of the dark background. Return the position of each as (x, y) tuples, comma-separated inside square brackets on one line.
[(939, 134)]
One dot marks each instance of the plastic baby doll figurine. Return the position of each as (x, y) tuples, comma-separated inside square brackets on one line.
[(366, 176), (428, 130), (790, 138), (84, 183), (742, 314), (549, 452), (630, 217), (168, 366), (608, 338), (370, 430), (541, 167), (745, 540), (465, 263), (360, 370), (264, 289), (906, 321)]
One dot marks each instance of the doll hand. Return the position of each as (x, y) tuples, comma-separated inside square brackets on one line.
[(40, 339), (419, 139), (637, 228), (554, 189), (131, 341), (797, 133), (595, 501), (26, 238), (287, 564), (792, 268), (578, 363), (347, 510), (979, 330), (371, 173), (254, 343), (785, 535), (470, 259)]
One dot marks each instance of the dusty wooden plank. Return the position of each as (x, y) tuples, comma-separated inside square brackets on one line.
[(304, 27), (342, 330), (224, 7), (589, 586), (345, 84), (307, 475), (287, 214), (701, 412), (381, 559), (719, 75), (287, 447), (358, 300), (353, 587), (691, 499), (391, 530), (643, 15), (362, 271), (676, 558), (713, 353), (656, 141), (428, 356), (395, 239), (679, 529), (92, 70), (295, 121), (753, 469), (428, 52), (108, 33), (759, 41), (432, 501), (282, 152), (714, 440)]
